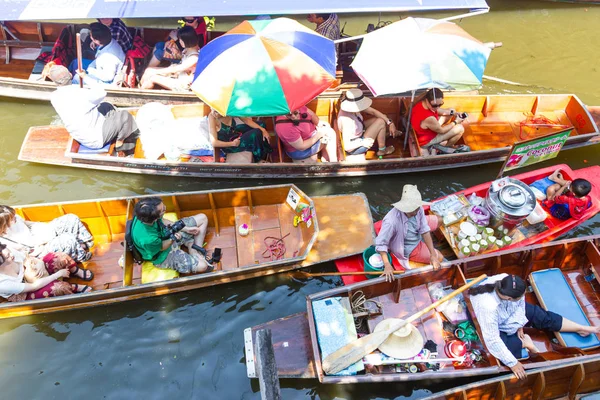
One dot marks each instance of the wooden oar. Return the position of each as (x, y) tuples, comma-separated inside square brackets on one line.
[(303, 274), (79, 59), (352, 352)]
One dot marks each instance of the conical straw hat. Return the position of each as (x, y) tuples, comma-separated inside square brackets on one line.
[(405, 343)]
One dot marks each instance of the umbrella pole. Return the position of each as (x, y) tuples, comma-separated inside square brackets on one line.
[(412, 99)]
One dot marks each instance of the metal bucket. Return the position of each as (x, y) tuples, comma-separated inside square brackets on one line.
[(510, 205)]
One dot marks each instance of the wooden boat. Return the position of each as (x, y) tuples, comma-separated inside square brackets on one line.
[(264, 209), (494, 123), (525, 235), (571, 380), (563, 274), (20, 74)]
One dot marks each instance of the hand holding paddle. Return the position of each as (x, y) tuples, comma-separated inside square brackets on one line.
[(352, 352)]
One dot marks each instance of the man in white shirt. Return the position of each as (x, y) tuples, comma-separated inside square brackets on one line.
[(90, 121), (109, 57)]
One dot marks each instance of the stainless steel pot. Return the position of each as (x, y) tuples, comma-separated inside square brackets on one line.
[(510, 205)]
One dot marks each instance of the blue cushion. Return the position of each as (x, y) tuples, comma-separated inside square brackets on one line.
[(199, 153), (335, 329), (555, 294), (87, 150)]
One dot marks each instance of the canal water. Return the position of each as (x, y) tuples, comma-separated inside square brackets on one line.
[(190, 345)]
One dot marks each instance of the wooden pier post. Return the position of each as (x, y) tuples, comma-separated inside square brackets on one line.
[(266, 366)]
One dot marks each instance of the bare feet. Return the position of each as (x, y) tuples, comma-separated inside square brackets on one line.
[(529, 345), (386, 151)]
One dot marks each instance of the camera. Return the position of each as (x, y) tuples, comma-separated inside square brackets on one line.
[(176, 227)]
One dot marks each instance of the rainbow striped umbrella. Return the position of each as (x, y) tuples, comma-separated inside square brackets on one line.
[(420, 53), (264, 68)]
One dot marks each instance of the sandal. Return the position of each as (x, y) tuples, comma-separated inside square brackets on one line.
[(77, 288), (388, 150), (86, 277)]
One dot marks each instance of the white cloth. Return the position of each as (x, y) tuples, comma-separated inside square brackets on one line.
[(352, 127), (10, 285), (78, 109), (29, 234), (496, 315), (109, 61)]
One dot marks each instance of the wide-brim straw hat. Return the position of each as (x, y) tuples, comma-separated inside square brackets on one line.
[(403, 344), (411, 199), (355, 101)]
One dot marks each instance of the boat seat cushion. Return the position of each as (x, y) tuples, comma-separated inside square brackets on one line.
[(554, 294), (150, 273), (87, 150), (335, 328)]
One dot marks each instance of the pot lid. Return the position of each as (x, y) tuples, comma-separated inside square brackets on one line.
[(512, 196)]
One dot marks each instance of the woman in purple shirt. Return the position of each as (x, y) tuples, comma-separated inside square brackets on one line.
[(405, 232)]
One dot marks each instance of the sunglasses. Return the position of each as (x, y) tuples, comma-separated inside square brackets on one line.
[(437, 105), (189, 21)]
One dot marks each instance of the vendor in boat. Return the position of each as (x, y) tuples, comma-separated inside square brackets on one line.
[(27, 278), (327, 25), (169, 51), (91, 121), (65, 234), (243, 140), (406, 233), (502, 312), (151, 237), (303, 136), (359, 135), (428, 119), (109, 58), (176, 76)]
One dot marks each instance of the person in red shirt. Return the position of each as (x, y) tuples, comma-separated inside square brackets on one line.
[(572, 204), (428, 119), (303, 136)]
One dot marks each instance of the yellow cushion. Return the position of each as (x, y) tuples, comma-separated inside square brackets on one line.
[(150, 273)]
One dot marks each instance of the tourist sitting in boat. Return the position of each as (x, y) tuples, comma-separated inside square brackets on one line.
[(91, 121), (572, 204), (406, 233), (242, 139), (303, 136), (550, 186), (502, 312), (152, 237), (119, 32), (109, 58), (170, 51), (359, 135), (428, 120), (65, 234), (24, 277), (176, 76), (328, 25)]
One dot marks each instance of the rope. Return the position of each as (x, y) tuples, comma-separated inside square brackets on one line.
[(275, 248), (358, 303), (538, 122)]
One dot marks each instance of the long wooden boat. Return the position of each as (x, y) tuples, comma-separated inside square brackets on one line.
[(562, 274), (550, 229), (266, 210), (20, 74), (565, 381), (494, 124)]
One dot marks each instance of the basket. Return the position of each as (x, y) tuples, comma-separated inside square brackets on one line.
[(368, 267)]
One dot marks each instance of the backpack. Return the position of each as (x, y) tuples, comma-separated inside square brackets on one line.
[(130, 245)]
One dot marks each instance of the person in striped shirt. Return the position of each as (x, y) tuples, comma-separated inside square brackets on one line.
[(501, 310)]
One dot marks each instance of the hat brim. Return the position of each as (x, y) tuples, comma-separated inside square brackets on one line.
[(356, 106), (409, 206), (400, 347)]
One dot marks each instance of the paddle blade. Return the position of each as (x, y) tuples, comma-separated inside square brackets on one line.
[(353, 352)]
